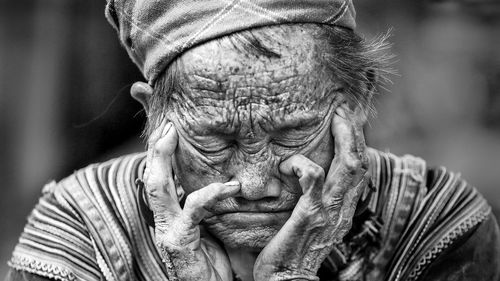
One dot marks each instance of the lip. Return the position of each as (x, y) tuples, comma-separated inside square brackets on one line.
[(240, 205), (251, 209), (252, 218)]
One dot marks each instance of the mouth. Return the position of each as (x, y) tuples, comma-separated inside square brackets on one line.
[(250, 207), (246, 219), (252, 210)]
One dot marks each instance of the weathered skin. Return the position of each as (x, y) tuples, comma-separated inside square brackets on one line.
[(240, 116), (271, 127)]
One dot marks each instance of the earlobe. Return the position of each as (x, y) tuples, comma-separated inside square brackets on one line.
[(142, 92)]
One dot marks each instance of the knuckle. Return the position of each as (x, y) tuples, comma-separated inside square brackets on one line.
[(158, 150), (299, 157), (162, 223), (334, 203), (210, 192), (315, 171), (155, 183), (152, 193), (364, 162), (365, 176), (364, 165), (308, 208), (192, 200), (188, 220), (345, 226), (176, 241), (352, 164), (152, 140), (205, 197), (213, 188)]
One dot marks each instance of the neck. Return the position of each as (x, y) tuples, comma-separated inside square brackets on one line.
[(242, 262)]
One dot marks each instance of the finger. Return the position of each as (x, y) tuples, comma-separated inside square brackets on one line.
[(360, 119), (347, 169), (343, 132), (152, 140), (350, 145), (198, 203), (348, 207), (311, 175), (158, 178)]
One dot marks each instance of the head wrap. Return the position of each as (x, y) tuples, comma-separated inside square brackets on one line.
[(154, 32)]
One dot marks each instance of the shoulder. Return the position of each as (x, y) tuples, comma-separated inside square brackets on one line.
[(474, 256), (101, 194), (73, 216), (425, 211), (105, 176)]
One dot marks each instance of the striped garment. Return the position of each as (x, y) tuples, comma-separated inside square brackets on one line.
[(89, 227)]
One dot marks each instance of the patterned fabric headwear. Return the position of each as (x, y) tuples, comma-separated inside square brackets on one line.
[(155, 32)]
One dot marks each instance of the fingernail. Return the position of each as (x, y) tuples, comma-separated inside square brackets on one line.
[(166, 129), (232, 183), (341, 112)]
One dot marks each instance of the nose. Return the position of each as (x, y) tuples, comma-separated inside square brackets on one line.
[(257, 180)]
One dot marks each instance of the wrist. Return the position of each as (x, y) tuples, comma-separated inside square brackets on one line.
[(295, 276), (272, 273)]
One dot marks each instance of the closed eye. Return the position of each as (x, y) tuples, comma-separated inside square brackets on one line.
[(296, 138), (291, 144), (212, 150), (214, 147)]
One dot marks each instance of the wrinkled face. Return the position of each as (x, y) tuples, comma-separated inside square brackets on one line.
[(240, 116)]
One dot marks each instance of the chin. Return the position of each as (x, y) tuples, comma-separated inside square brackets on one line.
[(246, 231)]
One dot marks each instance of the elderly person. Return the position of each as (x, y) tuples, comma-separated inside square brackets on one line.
[(256, 167)]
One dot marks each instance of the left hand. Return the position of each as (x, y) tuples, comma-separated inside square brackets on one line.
[(323, 215)]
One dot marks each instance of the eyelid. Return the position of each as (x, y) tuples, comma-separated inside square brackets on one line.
[(210, 151), (286, 145), (220, 147), (297, 141), (303, 137), (212, 157)]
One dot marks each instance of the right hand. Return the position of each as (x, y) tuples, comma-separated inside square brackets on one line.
[(187, 255)]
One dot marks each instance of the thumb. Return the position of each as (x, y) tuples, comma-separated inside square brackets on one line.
[(158, 178)]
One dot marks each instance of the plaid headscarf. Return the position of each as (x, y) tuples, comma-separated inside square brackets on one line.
[(155, 32)]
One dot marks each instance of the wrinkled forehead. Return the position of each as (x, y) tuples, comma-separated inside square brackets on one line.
[(230, 55), (291, 52), (223, 83)]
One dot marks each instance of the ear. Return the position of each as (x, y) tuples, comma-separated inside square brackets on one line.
[(142, 93)]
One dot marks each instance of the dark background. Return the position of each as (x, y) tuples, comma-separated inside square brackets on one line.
[(64, 93)]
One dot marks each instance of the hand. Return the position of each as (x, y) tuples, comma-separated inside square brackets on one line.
[(188, 255), (323, 215)]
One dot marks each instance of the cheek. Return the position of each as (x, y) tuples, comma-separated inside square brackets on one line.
[(192, 172)]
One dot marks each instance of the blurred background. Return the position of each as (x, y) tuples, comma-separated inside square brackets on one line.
[(64, 93)]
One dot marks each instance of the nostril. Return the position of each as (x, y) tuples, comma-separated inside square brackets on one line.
[(254, 189)]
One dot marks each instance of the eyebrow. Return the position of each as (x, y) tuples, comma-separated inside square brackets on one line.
[(299, 119), (296, 120)]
